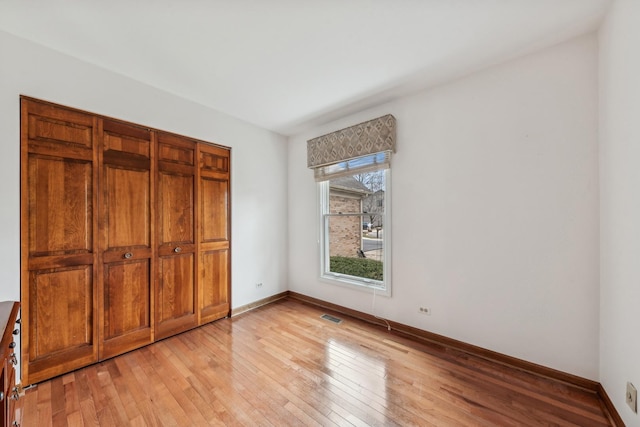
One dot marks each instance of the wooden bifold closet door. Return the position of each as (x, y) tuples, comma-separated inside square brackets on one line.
[(176, 303), (126, 244), (125, 237), (214, 232), (59, 240)]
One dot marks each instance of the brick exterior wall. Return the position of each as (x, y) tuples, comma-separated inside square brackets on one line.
[(345, 233)]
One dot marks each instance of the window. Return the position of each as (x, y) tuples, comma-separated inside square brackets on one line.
[(352, 168), (355, 229)]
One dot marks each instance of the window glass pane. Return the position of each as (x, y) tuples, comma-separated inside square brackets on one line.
[(355, 249), (359, 162), (354, 167), (354, 226)]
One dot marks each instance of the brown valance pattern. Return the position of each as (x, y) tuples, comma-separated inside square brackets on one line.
[(366, 138)]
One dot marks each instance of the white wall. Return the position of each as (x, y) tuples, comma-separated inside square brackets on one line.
[(495, 210), (259, 199), (620, 203)]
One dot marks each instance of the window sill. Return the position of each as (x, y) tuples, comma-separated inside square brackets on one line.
[(353, 283)]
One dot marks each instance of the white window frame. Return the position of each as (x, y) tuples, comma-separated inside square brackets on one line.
[(380, 287)]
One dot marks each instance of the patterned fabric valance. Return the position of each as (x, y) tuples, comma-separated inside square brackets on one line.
[(375, 136)]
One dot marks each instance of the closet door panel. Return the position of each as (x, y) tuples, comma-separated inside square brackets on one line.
[(58, 240), (127, 307), (176, 300), (56, 131), (214, 233), (214, 208), (214, 285), (176, 150), (176, 207), (124, 138), (59, 206), (126, 230), (128, 221), (175, 304), (60, 321)]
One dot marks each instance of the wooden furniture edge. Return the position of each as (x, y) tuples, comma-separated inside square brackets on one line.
[(11, 410), (422, 335), (264, 301), (12, 308)]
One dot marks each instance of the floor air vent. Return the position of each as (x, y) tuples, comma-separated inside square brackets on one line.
[(331, 318)]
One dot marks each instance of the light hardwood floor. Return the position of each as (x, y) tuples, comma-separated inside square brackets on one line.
[(282, 364)]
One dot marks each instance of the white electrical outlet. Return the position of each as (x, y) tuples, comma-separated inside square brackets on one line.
[(425, 310), (632, 397), (259, 285)]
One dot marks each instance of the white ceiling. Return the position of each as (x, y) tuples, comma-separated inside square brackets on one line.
[(288, 64)]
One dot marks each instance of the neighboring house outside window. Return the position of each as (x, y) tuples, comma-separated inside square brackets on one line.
[(345, 232)]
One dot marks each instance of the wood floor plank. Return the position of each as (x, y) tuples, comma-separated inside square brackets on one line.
[(89, 414), (282, 365), (75, 419)]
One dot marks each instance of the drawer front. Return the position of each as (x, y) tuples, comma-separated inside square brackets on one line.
[(13, 396), (13, 391), (10, 393)]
